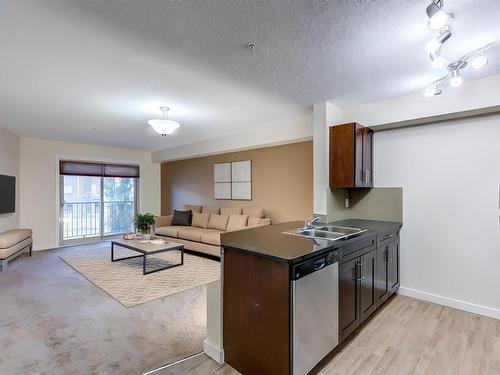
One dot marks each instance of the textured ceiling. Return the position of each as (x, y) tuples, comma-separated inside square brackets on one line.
[(95, 70)]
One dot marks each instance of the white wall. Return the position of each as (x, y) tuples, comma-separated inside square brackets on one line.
[(325, 114), (9, 165), (450, 242), (40, 188)]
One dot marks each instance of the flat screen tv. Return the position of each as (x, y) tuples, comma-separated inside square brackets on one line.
[(7, 194)]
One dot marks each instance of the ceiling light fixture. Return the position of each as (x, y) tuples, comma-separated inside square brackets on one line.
[(164, 126), (436, 43), (437, 60), (456, 79), (479, 61), (437, 17)]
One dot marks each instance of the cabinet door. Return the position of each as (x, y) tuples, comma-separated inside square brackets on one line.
[(358, 164), (367, 285), (393, 266), (367, 157), (382, 283), (348, 298)]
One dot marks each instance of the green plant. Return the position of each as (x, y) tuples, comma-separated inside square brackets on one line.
[(144, 221)]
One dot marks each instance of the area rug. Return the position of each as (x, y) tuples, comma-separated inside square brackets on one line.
[(124, 281)]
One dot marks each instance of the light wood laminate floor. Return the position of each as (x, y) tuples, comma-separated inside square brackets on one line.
[(407, 336)]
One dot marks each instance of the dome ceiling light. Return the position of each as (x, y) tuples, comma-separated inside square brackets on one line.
[(164, 126), (440, 21)]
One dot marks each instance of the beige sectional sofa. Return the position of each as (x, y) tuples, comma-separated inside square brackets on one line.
[(207, 225)]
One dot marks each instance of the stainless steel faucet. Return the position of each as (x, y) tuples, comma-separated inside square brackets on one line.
[(308, 223)]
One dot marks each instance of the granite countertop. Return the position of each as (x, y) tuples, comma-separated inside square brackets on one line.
[(270, 241)]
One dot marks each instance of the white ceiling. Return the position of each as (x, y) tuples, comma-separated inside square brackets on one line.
[(96, 70)]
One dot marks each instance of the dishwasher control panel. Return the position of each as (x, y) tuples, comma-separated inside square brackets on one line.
[(309, 266)]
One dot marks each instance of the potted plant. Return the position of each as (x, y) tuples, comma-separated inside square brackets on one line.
[(143, 223)]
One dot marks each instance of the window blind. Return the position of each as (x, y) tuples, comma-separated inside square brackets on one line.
[(79, 168)]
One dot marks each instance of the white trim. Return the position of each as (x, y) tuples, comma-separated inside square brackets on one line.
[(450, 302), (213, 351), (173, 363)]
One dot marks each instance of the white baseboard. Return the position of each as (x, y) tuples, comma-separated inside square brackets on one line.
[(213, 351), (450, 302)]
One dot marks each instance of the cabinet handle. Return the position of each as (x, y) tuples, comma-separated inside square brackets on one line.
[(363, 266), (358, 271), (389, 236), (389, 260)]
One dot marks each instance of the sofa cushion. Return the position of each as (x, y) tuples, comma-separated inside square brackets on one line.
[(11, 237), (230, 210), (194, 234), (218, 222), (170, 231), (237, 222), (192, 207), (211, 238), (253, 212), (210, 210), (182, 218), (200, 220)]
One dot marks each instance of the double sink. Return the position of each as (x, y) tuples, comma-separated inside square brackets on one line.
[(327, 232)]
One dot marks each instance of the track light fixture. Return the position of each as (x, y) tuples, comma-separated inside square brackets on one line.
[(439, 20)]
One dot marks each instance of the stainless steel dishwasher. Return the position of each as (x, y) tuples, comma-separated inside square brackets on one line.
[(315, 294)]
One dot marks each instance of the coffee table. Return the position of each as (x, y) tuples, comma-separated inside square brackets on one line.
[(147, 248)]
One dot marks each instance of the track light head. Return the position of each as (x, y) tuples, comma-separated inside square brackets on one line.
[(456, 79), (433, 91), (437, 60), (437, 17), (479, 61), (436, 43)]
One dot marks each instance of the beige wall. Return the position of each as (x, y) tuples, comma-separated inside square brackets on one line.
[(9, 165), (40, 187), (281, 181), (380, 203)]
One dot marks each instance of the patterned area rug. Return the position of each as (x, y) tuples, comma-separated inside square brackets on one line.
[(124, 281)]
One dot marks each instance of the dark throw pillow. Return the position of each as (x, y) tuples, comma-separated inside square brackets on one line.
[(182, 218)]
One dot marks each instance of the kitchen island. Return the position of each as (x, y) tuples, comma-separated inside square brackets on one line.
[(288, 300)]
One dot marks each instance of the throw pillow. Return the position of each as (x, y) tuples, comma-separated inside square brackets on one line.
[(182, 218), (200, 220), (237, 222), (218, 221)]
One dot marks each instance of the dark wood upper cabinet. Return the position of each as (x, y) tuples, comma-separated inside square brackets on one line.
[(351, 156)]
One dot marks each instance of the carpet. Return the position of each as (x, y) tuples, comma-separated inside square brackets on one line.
[(124, 281)]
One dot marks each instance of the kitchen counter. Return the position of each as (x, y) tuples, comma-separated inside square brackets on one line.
[(271, 242)]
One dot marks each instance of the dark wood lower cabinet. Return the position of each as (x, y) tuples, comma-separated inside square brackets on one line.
[(365, 283), (357, 299)]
